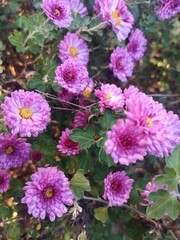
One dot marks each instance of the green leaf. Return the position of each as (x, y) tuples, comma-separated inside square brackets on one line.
[(79, 184), (4, 211), (17, 40), (107, 121), (84, 137), (36, 82), (168, 178), (13, 230), (82, 236), (101, 214), (86, 161), (104, 158), (163, 202), (173, 161)]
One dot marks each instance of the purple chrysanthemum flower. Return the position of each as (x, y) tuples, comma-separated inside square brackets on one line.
[(72, 76), (121, 64), (137, 45), (88, 90), (4, 181), (73, 47), (14, 151), (161, 129), (58, 11), (116, 12), (117, 188), (65, 97), (48, 192), (66, 145), (81, 119), (150, 187), (110, 97), (78, 7), (130, 90), (26, 113), (168, 9), (126, 143)]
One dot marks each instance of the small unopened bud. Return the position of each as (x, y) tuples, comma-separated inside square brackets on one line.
[(36, 156)]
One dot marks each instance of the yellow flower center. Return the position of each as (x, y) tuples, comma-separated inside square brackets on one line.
[(87, 93), (73, 51), (9, 150), (115, 15), (108, 96), (25, 113), (57, 12), (49, 192), (149, 122)]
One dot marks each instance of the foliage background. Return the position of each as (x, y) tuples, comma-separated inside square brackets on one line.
[(28, 57)]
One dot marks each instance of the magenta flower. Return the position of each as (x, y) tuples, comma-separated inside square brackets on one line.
[(26, 113), (168, 9), (73, 47), (81, 119), (78, 7), (121, 64), (130, 90), (126, 143), (48, 192), (115, 12), (14, 151), (137, 45), (162, 129), (150, 187), (4, 181), (65, 97), (72, 76), (66, 145), (117, 188), (58, 11), (110, 97)]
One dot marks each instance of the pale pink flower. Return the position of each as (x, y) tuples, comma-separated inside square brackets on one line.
[(78, 7)]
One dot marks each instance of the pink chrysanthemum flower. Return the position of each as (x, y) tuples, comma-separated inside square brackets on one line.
[(162, 129), (137, 45), (168, 9), (26, 113), (4, 181), (48, 192), (126, 143), (116, 12), (78, 7), (130, 90), (110, 97), (88, 90), (117, 188), (73, 47), (121, 64), (72, 76), (150, 187), (58, 11), (14, 151), (66, 145), (81, 119)]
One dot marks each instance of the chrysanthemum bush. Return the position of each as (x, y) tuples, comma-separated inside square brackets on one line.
[(90, 133)]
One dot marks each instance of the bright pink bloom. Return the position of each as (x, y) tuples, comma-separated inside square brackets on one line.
[(66, 145), (162, 129), (14, 151), (78, 7), (117, 188), (121, 64), (150, 187), (126, 143), (48, 192), (168, 9), (26, 113), (110, 97), (137, 45), (58, 11), (130, 90), (115, 12), (4, 181), (73, 47), (72, 76), (81, 119)]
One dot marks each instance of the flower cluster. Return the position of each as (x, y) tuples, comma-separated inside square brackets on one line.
[(26, 113), (48, 192), (148, 128)]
